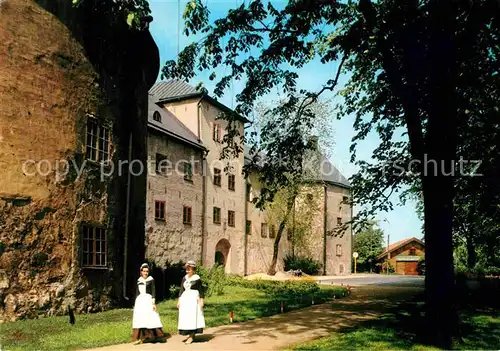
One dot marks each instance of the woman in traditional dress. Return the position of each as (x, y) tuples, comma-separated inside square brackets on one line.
[(190, 304), (146, 324)]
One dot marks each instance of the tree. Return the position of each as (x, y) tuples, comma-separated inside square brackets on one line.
[(282, 154), (415, 68), (369, 243)]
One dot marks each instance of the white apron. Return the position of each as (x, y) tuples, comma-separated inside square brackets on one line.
[(190, 313), (144, 315)]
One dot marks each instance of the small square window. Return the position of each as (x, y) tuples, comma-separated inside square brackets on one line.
[(188, 172), (249, 193), (216, 215), (161, 164), (160, 210), (187, 215), (231, 218), (231, 180), (217, 132), (272, 232), (217, 177), (339, 250), (263, 230), (157, 116)]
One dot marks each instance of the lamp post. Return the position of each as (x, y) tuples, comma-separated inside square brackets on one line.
[(355, 256), (388, 253)]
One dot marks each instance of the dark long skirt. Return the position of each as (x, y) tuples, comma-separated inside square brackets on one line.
[(148, 335), (191, 332)]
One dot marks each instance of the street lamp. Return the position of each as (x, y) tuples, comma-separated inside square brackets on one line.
[(388, 253)]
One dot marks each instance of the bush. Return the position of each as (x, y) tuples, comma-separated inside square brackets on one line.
[(305, 264), (421, 267), (174, 272), (214, 279), (291, 291)]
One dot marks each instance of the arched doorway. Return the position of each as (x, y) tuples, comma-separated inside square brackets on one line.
[(222, 250)]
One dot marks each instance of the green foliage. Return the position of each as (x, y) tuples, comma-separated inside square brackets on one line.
[(368, 243), (174, 272), (136, 13), (290, 291), (173, 291), (423, 76), (421, 267), (305, 264), (214, 279)]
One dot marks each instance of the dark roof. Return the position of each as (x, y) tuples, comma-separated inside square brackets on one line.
[(399, 244), (170, 125), (173, 88), (178, 90), (325, 172)]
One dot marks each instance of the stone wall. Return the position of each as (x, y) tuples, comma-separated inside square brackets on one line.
[(171, 240), (338, 264), (48, 85)]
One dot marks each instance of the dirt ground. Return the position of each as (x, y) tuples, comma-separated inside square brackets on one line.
[(295, 327)]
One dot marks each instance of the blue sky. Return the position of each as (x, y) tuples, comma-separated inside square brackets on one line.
[(400, 223)]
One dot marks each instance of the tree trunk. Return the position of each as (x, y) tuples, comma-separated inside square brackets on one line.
[(471, 252), (274, 261)]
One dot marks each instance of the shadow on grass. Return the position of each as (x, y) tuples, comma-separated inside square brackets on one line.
[(404, 327)]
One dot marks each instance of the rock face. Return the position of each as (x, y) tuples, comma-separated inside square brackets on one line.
[(52, 90)]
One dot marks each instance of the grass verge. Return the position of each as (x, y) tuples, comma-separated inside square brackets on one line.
[(114, 327), (402, 329)]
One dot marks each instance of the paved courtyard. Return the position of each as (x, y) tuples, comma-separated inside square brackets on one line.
[(280, 331)]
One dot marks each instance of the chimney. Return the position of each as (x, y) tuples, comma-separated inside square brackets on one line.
[(313, 142)]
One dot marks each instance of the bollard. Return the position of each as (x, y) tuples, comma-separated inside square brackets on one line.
[(281, 306), (231, 317)]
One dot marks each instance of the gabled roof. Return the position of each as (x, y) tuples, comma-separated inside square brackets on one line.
[(170, 125), (399, 244), (326, 171), (178, 90)]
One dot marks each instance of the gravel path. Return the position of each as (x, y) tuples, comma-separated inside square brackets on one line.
[(295, 327)]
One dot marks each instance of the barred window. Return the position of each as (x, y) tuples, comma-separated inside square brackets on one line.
[(98, 141), (94, 246)]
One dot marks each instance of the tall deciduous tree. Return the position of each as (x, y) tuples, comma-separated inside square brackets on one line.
[(414, 67), (286, 160)]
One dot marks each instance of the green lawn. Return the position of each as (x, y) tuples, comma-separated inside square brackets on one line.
[(398, 331), (114, 327)]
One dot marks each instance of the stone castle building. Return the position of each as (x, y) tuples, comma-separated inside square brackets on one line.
[(198, 209)]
